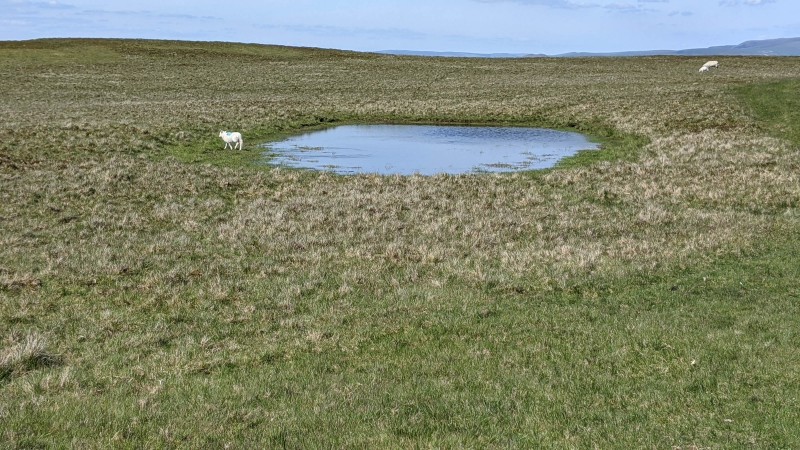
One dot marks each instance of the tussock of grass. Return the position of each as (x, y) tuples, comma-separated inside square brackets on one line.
[(639, 296), (22, 354)]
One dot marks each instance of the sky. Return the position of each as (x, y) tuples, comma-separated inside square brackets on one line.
[(477, 26)]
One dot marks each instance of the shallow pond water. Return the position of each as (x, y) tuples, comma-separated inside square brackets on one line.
[(426, 149)]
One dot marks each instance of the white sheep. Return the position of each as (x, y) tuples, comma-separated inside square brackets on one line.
[(232, 138), (709, 65)]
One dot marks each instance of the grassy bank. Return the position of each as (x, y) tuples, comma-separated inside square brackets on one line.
[(157, 291)]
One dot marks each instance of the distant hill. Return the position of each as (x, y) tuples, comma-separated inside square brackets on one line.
[(455, 54), (766, 47)]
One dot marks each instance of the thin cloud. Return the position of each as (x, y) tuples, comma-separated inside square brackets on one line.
[(574, 5), (562, 4), (145, 14), (745, 2), (18, 4), (19, 8)]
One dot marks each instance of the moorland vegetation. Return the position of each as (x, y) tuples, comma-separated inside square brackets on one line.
[(158, 291)]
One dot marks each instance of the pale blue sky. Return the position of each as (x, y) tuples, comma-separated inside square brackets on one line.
[(481, 26)]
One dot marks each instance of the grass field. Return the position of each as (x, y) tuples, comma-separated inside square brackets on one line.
[(157, 291)]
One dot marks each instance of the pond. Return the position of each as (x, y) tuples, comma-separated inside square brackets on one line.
[(426, 149)]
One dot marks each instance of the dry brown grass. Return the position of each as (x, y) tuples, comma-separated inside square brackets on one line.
[(695, 191), (140, 267)]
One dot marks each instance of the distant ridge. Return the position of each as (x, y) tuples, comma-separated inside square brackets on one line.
[(766, 47), (455, 54)]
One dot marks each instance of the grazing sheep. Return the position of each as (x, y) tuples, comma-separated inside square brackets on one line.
[(709, 65), (232, 138)]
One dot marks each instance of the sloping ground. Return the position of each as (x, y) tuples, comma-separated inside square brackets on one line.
[(159, 291)]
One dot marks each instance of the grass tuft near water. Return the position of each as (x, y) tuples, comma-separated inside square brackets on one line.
[(158, 291)]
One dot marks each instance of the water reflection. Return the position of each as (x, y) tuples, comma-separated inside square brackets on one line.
[(426, 149)]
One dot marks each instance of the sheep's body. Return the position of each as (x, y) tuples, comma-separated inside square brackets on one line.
[(232, 139)]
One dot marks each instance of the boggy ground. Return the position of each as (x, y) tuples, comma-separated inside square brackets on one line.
[(156, 290)]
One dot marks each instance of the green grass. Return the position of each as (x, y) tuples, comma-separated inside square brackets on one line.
[(157, 291), (776, 106)]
